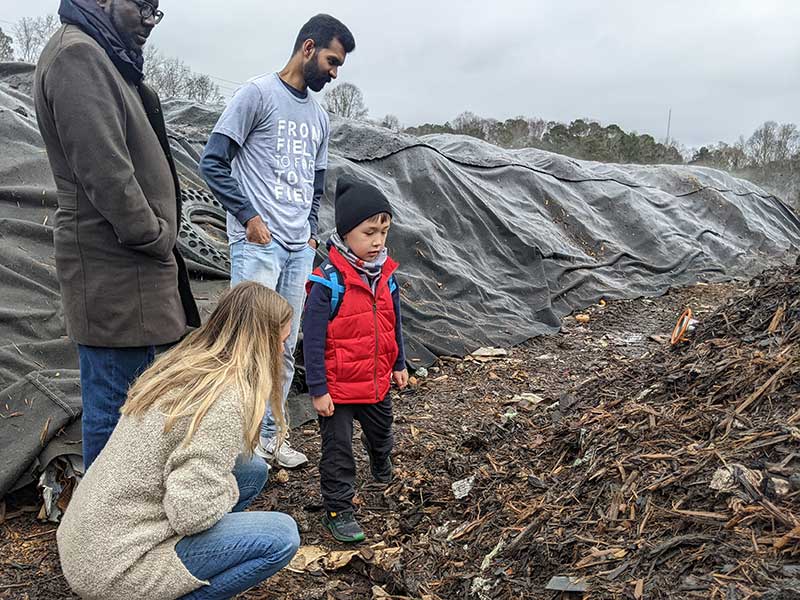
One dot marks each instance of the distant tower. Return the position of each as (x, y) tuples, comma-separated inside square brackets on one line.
[(669, 124)]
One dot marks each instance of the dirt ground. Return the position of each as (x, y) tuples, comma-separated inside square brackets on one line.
[(546, 488)]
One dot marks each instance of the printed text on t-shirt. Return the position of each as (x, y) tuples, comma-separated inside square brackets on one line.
[(295, 151)]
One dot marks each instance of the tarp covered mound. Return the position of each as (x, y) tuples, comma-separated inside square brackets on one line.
[(494, 245)]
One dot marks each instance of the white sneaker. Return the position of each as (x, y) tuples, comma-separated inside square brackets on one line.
[(286, 456)]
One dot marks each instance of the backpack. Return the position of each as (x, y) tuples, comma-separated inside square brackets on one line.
[(331, 278)]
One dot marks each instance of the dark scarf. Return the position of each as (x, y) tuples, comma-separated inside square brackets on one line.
[(370, 272), (94, 21)]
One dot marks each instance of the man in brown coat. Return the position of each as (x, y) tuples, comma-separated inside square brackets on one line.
[(124, 286)]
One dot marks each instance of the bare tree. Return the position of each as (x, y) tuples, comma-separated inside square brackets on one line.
[(391, 122), (537, 127), (31, 34), (153, 63), (346, 100), (6, 47), (787, 141), (172, 78), (25, 37), (201, 88), (734, 156), (763, 143), (468, 123)]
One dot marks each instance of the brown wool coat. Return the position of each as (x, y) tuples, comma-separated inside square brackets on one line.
[(122, 280)]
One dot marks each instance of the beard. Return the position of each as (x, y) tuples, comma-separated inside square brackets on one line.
[(125, 36), (315, 78)]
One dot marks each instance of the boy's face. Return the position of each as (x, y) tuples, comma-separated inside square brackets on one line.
[(368, 238)]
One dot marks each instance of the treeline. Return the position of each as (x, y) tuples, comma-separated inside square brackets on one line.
[(582, 138), (169, 76), (172, 78), (770, 157), (771, 143)]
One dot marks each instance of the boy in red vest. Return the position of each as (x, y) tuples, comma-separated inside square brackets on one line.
[(353, 349)]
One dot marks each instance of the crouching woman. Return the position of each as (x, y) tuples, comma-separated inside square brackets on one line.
[(159, 513)]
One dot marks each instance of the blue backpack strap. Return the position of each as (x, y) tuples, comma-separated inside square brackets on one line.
[(392, 284), (331, 281)]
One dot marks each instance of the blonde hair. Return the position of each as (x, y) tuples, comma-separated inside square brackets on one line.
[(241, 346)]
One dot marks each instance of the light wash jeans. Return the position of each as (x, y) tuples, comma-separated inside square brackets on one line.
[(286, 272), (243, 548)]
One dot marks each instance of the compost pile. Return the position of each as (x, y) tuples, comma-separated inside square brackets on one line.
[(675, 476)]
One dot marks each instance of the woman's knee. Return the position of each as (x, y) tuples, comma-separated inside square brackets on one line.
[(251, 472), (283, 530)]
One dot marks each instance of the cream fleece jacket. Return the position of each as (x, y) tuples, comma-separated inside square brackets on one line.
[(143, 493)]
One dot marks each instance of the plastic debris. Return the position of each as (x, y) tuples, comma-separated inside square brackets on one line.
[(726, 480), (566, 584), (56, 484), (527, 400), (487, 354), (481, 588), (487, 560), (463, 487)]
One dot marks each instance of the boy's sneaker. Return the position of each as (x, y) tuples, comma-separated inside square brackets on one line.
[(343, 526), (381, 473), (285, 456)]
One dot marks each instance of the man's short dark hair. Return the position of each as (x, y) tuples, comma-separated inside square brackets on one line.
[(323, 29)]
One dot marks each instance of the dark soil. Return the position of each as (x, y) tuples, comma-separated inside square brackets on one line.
[(592, 453)]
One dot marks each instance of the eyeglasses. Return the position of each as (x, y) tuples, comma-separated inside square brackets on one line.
[(147, 10)]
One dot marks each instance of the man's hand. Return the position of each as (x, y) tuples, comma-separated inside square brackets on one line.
[(257, 232), (323, 405), (313, 243), (400, 378)]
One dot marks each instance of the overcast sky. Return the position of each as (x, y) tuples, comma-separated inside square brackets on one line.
[(723, 66)]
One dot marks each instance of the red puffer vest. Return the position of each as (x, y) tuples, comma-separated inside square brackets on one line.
[(361, 347)]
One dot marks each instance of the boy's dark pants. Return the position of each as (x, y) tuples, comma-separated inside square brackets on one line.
[(337, 467)]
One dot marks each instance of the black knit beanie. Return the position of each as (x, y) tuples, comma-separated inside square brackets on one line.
[(357, 201)]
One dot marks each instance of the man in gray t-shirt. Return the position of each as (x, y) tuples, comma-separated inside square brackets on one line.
[(265, 162), (283, 140)]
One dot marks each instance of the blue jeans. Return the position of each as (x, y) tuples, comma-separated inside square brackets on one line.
[(106, 375), (243, 548), (286, 272)]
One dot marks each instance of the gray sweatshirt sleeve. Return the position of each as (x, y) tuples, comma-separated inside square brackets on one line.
[(215, 168), (319, 190)]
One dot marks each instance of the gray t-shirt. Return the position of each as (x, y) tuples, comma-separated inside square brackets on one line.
[(283, 141)]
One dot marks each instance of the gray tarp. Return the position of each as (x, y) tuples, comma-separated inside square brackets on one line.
[(494, 245)]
